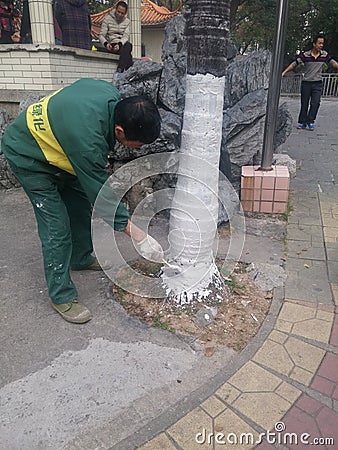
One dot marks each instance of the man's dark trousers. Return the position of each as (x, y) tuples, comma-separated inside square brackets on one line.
[(311, 92)]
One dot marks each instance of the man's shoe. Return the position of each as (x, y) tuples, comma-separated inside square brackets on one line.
[(73, 312), (97, 266), (301, 126), (311, 126), (94, 266)]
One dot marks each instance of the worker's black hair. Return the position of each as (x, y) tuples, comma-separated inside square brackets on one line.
[(139, 118), (123, 4), (318, 36)]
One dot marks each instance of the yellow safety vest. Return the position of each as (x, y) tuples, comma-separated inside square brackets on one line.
[(39, 126)]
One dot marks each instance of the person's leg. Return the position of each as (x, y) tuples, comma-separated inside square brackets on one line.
[(317, 87), (54, 232), (79, 212), (6, 37), (126, 60), (305, 93)]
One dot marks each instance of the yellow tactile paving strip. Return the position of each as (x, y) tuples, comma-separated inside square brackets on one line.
[(329, 213), (260, 391)]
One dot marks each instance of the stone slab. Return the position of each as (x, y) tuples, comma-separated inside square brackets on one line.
[(307, 281)]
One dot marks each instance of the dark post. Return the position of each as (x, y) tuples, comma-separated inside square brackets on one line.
[(274, 85)]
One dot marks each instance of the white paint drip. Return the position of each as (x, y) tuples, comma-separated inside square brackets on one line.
[(193, 283)]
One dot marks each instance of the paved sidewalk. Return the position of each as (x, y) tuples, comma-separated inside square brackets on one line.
[(116, 384), (290, 385)]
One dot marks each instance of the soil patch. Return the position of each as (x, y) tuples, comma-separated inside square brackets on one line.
[(241, 309)]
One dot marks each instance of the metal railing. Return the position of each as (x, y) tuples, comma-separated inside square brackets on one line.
[(291, 84)]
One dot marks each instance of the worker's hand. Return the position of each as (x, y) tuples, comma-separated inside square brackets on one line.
[(150, 249)]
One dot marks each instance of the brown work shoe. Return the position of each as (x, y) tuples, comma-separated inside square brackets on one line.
[(73, 312), (96, 265)]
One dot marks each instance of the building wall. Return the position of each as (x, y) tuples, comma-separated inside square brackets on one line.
[(26, 69), (44, 68), (152, 39)]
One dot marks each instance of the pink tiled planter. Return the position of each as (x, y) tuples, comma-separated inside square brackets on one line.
[(265, 191)]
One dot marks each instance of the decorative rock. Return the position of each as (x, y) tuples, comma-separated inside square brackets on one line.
[(228, 203), (245, 96), (283, 126), (142, 78), (7, 179), (243, 128), (4, 121), (174, 57), (281, 159), (246, 74), (32, 98)]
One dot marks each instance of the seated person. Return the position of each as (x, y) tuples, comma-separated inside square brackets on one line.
[(115, 33)]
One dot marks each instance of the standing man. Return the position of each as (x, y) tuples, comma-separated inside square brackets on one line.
[(312, 84), (58, 150), (115, 34)]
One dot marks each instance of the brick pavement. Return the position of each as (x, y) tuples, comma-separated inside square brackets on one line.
[(290, 385), (287, 376)]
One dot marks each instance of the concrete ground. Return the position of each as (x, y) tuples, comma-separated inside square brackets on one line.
[(115, 383)]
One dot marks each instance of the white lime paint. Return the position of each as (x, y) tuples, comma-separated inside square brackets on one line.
[(193, 221)]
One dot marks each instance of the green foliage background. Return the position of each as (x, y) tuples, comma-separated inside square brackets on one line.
[(253, 24)]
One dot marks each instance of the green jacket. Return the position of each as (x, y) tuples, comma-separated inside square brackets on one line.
[(72, 130)]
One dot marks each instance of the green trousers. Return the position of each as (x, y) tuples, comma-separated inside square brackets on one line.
[(63, 215)]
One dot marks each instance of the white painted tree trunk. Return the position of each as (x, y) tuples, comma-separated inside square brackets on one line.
[(194, 213), (193, 275)]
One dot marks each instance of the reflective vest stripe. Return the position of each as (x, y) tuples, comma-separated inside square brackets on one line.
[(39, 126)]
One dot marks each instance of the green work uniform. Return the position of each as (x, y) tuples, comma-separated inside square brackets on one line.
[(58, 150)]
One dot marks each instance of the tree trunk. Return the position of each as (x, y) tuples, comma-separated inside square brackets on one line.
[(193, 274)]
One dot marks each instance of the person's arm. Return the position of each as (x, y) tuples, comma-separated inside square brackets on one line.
[(288, 69), (135, 232), (145, 244), (126, 34), (103, 33), (334, 64)]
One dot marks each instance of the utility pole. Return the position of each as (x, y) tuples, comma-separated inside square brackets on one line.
[(274, 85)]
